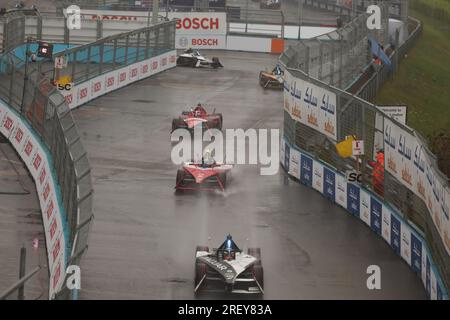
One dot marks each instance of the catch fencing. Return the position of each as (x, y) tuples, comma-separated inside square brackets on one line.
[(35, 113), (314, 123), (336, 58)]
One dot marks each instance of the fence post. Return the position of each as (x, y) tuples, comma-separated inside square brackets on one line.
[(127, 41), (101, 51), (99, 30), (39, 28), (114, 54), (22, 264), (66, 32)]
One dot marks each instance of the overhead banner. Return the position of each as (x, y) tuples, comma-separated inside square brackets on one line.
[(407, 160), (310, 105)]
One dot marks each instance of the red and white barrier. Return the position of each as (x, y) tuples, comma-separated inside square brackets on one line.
[(98, 86), (36, 159)]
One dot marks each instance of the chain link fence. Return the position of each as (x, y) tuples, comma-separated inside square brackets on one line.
[(339, 57), (114, 52), (358, 117)]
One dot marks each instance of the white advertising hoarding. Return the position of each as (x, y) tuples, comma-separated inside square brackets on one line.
[(341, 190), (310, 105), (35, 158), (406, 159), (364, 206), (294, 163)]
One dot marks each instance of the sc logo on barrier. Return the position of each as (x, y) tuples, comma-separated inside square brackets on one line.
[(353, 176), (64, 87)]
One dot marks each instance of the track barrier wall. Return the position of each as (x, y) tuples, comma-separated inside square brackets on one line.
[(323, 108), (36, 119), (365, 205)]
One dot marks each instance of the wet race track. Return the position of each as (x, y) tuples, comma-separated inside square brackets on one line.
[(143, 240)]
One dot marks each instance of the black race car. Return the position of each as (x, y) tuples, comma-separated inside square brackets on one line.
[(228, 269)]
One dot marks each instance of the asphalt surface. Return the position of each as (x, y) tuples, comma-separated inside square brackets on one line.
[(144, 236), (20, 224)]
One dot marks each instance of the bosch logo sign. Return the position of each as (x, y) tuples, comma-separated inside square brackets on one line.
[(110, 81), (8, 123), (37, 162), (83, 93), (50, 210), (42, 176), (145, 68), (53, 229), (19, 135), (122, 76), (134, 72), (97, 86), (69, 98), (205, 42), (56, 275), (28, 148), (46, 192), (155, 65), (188, 23)]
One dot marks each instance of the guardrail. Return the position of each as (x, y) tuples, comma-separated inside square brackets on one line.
[(37, 120), (412, 184)]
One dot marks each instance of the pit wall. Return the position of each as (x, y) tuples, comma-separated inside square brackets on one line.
[(384, 220), (37, 158)]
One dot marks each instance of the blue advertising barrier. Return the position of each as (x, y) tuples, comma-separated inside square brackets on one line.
[(384, 220)]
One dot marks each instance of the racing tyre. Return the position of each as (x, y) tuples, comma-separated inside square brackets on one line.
[(223, 179), (258, 272), (180, 176), (181, 61), (174, 125), (201, 248), (255, 252), (221, 121), (200, 272), (216, 63), (193, 63)]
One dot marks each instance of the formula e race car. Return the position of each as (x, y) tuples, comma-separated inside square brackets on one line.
[(207, 175), (198, 117), (272, 80), (228, 269), (193, 58)]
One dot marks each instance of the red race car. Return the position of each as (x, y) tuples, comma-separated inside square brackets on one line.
[(198, 117), (207, 175)]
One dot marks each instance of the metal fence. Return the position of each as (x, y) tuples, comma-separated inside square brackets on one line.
[(114, 52), (356, 116), (336, 58), (47, 112), (27, 87)]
